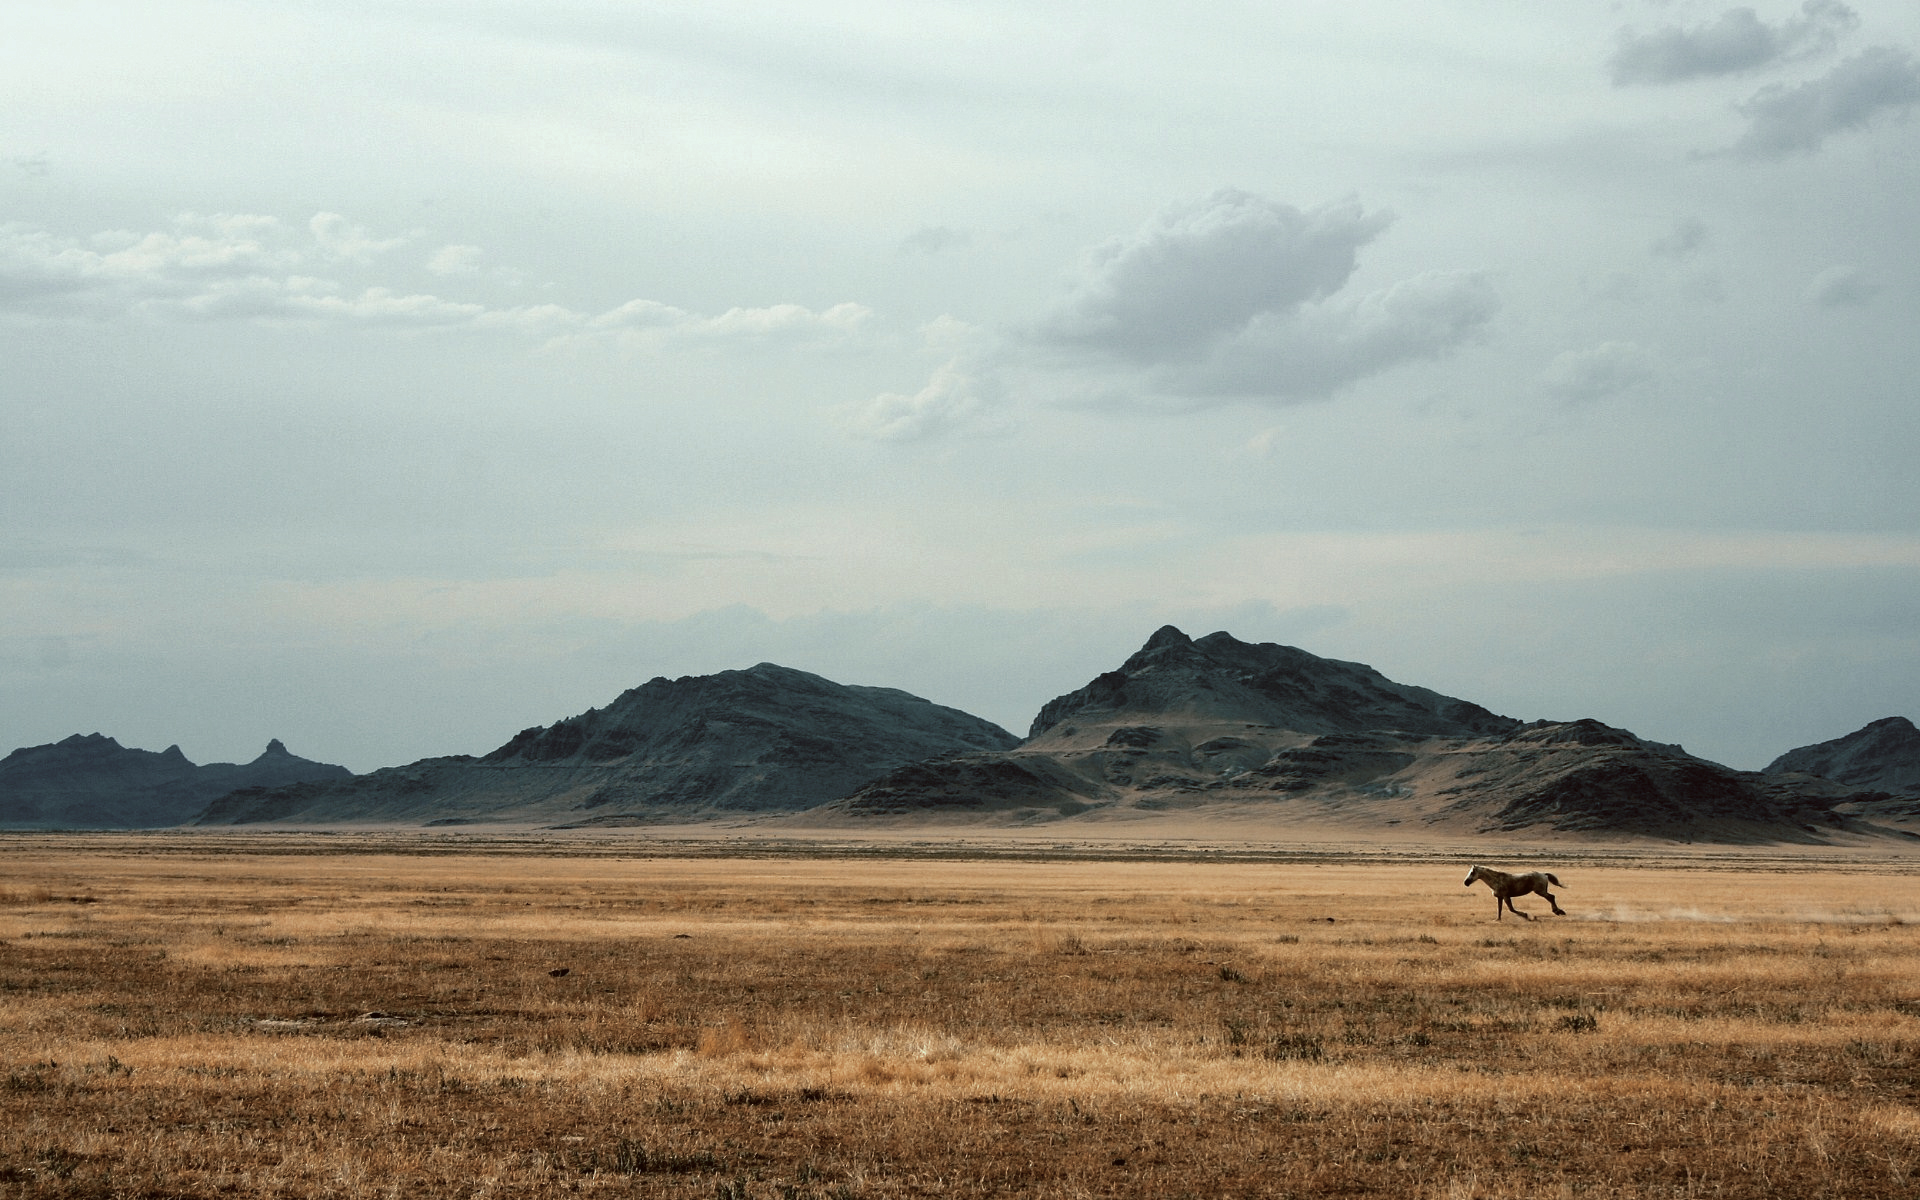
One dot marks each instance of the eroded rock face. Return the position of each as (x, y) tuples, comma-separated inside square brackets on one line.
[(90, 781), (768, 739)]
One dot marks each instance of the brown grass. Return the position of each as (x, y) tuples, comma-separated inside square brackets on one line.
[(176, 1022)]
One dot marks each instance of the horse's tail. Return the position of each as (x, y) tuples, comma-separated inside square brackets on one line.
[(1553, 879)]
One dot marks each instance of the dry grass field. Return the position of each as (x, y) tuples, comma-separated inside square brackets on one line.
[(185, 1018)]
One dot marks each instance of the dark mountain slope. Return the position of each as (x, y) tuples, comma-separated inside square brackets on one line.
[(766, 739), (1883, 755), (1221, 677)]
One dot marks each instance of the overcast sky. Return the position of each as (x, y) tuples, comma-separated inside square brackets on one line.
[(388, 377)]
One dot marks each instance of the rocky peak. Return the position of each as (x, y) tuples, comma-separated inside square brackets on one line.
[(1881, 754), (1220, 677)]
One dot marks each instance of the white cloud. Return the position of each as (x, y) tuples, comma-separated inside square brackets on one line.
[(237, 267), (1796, 120), (954, 400), (1738, 41), (1841, 287), (340, 238), (455, 260), (649, 321), (1585, 376)]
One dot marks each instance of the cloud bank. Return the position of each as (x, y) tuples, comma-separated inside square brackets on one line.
[(1739, 41), (245, 267)]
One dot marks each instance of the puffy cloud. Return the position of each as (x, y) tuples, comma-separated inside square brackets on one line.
[(1841, 287), (455, 260), (205, 266), (1796, 120), (1198, 273), (1238, 297), (340, 238), (1584, 376), (953, 400), (1234, 298), (1738, 41)]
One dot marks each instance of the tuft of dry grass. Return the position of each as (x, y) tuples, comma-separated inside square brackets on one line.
[(257, 1020)]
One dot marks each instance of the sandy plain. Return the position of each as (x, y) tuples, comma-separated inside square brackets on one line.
[(733, 1014)]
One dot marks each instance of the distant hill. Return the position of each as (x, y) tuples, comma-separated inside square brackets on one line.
[(1234, 728), (1881, 760), (766, 739), (1884, 755), (90, 781)]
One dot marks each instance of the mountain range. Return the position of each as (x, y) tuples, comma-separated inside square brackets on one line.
[(90, 781), (1229, 728), (1211, 727)]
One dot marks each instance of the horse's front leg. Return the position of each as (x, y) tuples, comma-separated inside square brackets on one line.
[(1516, 912)]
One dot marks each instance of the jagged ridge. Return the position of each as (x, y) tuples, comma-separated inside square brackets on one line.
[(91, 781)]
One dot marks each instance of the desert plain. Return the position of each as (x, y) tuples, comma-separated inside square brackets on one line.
[(373, 1015)]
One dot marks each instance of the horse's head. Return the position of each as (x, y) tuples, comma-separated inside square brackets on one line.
[(1471, 876)]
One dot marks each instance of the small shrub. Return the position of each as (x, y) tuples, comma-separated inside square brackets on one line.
[(1306, 1047)]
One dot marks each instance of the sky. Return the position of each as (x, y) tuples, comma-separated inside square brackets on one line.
[(390, 377)]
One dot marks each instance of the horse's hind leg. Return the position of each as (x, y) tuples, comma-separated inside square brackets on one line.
[(1557, 910)]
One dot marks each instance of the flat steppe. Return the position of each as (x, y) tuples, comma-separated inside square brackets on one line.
[(730, 1015)]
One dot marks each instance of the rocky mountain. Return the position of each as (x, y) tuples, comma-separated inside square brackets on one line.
[(766, 739), (1220, 678), (90, 781), (1881, 761), (1273, 732), (1884, 755)]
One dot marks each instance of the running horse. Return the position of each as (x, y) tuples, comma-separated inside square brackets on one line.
[(1506, 887)]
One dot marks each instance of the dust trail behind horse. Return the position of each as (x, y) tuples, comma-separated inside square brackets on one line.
[(1506, 887)]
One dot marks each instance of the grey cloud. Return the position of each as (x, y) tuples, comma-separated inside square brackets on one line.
[(1796, 120), (1584, 376), (1316, 349), (1201, 272), (1238, 297), (1683, 241), (1738, 41), (1841, 287)]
